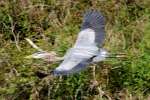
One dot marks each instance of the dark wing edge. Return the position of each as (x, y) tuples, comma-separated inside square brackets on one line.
[(94, 20), (81, 66)]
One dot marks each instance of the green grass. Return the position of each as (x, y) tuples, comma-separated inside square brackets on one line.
[(53, 26)]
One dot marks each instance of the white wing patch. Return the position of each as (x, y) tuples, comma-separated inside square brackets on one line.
[(85, 38)]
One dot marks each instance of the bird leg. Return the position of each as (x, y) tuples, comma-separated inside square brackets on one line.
[(117, 55)]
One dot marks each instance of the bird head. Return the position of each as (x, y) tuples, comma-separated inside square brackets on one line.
[(47, 56)]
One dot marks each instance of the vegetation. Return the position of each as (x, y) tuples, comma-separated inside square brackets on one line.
[(53, 25)]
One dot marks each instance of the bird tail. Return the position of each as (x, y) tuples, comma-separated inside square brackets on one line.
[(94, 20)]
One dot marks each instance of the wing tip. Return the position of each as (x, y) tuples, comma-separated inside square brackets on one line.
[(93, 19), (59, 73)]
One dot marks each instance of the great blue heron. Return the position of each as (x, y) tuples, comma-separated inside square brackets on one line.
[(87, 49), (87, 46)]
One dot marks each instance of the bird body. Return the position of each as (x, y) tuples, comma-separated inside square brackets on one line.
[(87, 46), (86, 50)]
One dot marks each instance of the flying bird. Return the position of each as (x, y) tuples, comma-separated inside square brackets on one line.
[(87, 48)]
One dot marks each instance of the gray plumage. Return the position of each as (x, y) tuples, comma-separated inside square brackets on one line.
[(87, 45), (94, 20)]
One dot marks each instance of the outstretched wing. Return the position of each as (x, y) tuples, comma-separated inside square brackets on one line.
[(71, 66), (89, 40), (94, 21)]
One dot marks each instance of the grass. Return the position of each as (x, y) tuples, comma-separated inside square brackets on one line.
[(53, 26)]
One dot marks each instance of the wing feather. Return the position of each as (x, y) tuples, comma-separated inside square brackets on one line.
[(95, 20), (88, 43)]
